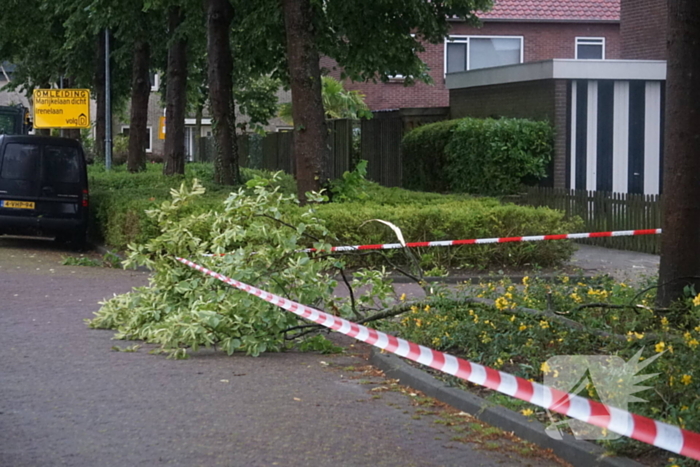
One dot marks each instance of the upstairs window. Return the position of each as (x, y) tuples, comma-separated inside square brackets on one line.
[(590, 48), (473, 52)]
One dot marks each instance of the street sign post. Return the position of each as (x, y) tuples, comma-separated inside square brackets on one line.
[(61, 108)]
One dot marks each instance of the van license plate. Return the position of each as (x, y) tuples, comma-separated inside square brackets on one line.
[(17, 204)]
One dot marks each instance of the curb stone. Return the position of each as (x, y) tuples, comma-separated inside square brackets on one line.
[(576, 452)]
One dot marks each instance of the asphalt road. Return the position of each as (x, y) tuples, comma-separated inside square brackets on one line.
[(67, 398)]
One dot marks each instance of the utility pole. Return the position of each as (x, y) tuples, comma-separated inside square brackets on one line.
[(108, 107)]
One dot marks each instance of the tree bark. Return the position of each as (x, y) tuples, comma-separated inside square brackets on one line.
[(220, 68), (310, 134), (140, 91), (99, 85), (176, 98), (680, 242)]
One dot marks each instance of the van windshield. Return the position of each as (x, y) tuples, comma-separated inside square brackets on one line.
[(62, 164), (20, 162)]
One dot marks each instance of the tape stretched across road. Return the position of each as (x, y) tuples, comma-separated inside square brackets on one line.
[(476, 241), (659, 434)]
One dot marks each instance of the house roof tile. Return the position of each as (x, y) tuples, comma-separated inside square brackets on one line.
[(554, 10)]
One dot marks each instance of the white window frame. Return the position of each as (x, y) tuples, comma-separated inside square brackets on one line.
[(465, 40), (149, 148), (589, 41)]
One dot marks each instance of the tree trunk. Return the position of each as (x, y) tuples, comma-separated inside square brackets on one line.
[(220, 68), (99, 85), (140, 91), (176, 97), (680, 242), (310, 133)]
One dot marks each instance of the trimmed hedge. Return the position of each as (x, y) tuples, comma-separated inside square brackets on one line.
[(424, 157), (119, 200), (454, 220), (479, 156)]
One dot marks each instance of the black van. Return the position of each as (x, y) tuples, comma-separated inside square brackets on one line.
[(43, 188)]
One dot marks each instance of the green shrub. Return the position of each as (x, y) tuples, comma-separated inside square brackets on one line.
[(480, 156), (454, 220), (119, 201), (491, 157), (424, 158), (506, 338)]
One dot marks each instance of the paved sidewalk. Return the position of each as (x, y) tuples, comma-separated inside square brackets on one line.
[(66, 398), (620, 264)]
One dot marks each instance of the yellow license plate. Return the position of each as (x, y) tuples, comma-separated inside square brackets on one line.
[(17, 204)]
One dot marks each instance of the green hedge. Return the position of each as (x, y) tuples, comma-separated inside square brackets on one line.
[(424, 157), (479, 156), (119, 201), (454, 220)]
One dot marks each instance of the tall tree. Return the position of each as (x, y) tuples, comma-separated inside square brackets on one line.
[(176, 95), (310, 133), (140, 92), (680, 253), (385, 42), (220, 15)]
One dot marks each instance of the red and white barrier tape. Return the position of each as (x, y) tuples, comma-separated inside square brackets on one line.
[(659, 434), (476, 241)]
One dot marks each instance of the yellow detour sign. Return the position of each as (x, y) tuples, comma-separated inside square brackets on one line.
[(61, 108), (161, 128)]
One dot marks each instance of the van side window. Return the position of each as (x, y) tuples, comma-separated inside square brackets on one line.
[(20, 162), (62, 164)]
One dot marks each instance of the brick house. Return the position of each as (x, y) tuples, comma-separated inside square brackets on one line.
[(515, 31), (608, 114)]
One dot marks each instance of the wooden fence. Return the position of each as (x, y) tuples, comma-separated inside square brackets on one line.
[(602, 211), (274, 151)]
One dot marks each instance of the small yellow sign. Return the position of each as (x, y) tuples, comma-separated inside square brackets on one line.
[(61, 108), (161, 128)]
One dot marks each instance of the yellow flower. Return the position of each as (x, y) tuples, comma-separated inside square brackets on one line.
[(527, 412), (684, 408), (660, 347), (686, 379), (512, 318), (501, 303), (499, 363), (414, 309), (696, 300), (526, 280), (664, 322), (565, 280), (693, 343), (427, 308), (545, 368), (544, 324), (419, 323), (403, 297), (576, 297), (522, 327)]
